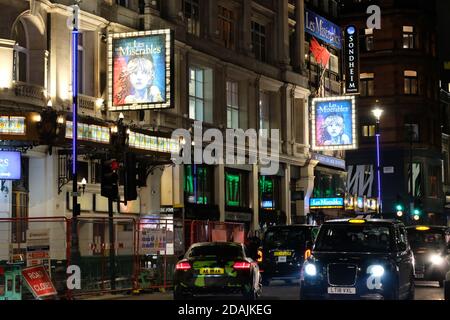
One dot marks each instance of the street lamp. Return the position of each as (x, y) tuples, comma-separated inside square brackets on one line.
[(377, 112)]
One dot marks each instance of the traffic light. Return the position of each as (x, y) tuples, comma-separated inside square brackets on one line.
[(110, 179), (130, 180), (417, 210), (400, 210), (399, 207)]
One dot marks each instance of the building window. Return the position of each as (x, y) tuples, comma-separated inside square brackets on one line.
[(199, 184), (232, 104), (368, 130), (411, 82), (367, 84), (20, 66), (264, 114), (236, 189), (259, 41), (368, 39), (226, 25), (200, 91), (412, 132), (409, 37), (192, 15)]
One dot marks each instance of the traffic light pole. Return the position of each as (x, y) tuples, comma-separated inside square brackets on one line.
[(112, 241), (411, 177)]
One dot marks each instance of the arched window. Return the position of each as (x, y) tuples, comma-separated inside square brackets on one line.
[(20, 72)]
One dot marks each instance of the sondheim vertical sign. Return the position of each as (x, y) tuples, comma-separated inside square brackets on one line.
[(351, 57)]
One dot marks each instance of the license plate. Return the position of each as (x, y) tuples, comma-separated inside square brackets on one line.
[(420, 275), (281, 259), (282, 253), (341, 290), (212, 271)]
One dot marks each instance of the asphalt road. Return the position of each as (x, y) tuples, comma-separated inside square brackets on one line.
[(278, 290)]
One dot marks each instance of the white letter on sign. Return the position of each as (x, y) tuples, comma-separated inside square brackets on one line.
[(74, 281), (374, 21)]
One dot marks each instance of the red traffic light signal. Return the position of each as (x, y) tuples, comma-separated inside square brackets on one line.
[(114, 165)]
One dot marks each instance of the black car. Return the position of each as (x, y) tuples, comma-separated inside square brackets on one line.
[(359, 259), (282, 252), (216, 268), (431, 252)]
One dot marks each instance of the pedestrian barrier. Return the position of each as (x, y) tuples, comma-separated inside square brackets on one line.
[(144, 256)]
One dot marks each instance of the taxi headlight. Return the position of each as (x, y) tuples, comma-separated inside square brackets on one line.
[(310, 270), (436, 259), (376, 270)]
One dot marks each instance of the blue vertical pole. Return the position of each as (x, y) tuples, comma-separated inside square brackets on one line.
[(380, 204)]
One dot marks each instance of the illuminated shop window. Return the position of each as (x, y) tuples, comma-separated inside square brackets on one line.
[(268, 193), (12, 125), (199, 184), (89, 132), (236, 191)]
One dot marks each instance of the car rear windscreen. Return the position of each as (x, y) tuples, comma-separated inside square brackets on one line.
[(354, 238), (286, 237), (430, 238), (218, 251)]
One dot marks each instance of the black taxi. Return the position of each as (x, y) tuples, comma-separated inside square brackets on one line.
[(359, 258), (282, 252), (431, 252)]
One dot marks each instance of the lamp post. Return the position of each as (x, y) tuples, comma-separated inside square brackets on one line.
[(377, 112)]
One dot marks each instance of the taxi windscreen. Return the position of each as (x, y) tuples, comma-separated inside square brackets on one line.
[(216, 251), (286, 237), (430, 238), (354, 238)]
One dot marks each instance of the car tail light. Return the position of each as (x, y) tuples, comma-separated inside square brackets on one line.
[(184, 265), (241, 265), (260, 256)]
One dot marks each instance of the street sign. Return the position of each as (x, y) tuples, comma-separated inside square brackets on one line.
[(39, 282), (38, 248)]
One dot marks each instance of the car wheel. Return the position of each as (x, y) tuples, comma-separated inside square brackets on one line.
[(447, 290)]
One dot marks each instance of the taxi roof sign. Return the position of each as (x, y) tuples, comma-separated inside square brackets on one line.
[(422, 228), (357, 221)]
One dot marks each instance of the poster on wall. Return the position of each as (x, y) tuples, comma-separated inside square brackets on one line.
[(140, 70), (333, 123)]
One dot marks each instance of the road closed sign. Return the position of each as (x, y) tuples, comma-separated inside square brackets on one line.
[(39, 282)]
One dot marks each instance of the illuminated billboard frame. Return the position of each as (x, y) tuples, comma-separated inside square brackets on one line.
[(152, 61), (349, 119)]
